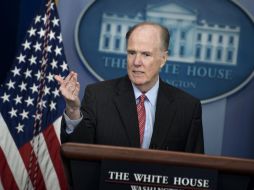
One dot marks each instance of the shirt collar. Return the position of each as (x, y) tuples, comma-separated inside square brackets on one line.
[(151, 94)]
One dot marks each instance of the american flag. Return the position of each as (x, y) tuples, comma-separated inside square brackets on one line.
[(31, 109)]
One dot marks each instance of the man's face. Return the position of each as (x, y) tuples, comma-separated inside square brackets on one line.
[(145, 56)]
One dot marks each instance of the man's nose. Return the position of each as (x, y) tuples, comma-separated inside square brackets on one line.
[(137, 60)]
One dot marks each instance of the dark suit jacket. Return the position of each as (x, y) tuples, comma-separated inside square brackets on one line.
[(110, 118)]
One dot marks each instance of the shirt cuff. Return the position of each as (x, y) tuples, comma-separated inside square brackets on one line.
[(71, 124)]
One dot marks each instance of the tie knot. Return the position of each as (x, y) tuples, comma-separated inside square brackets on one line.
[(142, 98)]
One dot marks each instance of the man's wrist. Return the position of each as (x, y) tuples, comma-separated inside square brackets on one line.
[(73, 113)]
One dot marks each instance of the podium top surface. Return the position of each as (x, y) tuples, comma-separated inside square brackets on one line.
[(78, 151)]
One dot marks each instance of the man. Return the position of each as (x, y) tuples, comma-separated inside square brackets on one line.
[(138, 110)]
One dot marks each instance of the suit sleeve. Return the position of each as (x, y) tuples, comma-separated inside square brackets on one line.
[(195, 140), (85, 131)]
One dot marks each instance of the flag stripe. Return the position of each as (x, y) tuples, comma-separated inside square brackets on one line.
[(10, 151), (57, 127), (1, 186), (25, 153), (54, 151), (46, 164), (7, 179)]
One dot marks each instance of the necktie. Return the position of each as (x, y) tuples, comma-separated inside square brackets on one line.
[(141, 117)]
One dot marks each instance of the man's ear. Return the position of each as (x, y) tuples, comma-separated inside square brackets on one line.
[(164, 58)]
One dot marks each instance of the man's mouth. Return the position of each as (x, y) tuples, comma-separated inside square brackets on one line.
[(138, 72)]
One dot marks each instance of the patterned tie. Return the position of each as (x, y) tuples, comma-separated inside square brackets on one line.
[(141, 117)]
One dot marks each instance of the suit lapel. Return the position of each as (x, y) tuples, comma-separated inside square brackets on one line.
[(126, 106), (165, 112)]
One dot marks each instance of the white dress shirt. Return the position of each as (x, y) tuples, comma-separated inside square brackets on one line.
[(150, 107)]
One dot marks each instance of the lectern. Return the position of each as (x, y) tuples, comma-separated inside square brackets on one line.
[(98, 167)]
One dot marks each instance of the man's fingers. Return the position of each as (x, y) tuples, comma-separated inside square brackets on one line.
[(59, 79), (69, 87), (69, 76), (70, 80), (76, 90)]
